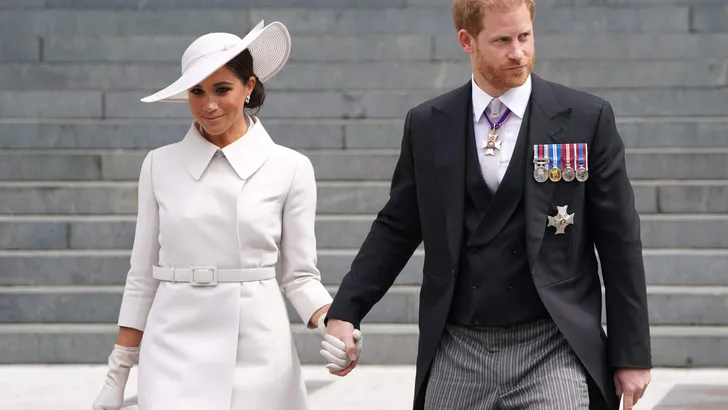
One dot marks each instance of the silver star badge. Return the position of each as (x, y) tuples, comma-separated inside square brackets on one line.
[(561, 220)]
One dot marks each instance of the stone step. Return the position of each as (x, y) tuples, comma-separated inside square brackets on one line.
[(369, 165), (609, 46), (419, 75), (660, 102), (173, 4), (342, 104), (120, 198), (632, 3), (386, 344), (636, 132), (45, 104), (710, 19), (410, 20), (676, 267), (102, 268), (20, 49), (164, 48), (192, 4), (326, 48), (366, 48), (332, 231), (22, 4), (669, 305)]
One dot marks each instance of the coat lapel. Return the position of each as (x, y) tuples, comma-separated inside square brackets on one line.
[(449, 122), (548, 123)]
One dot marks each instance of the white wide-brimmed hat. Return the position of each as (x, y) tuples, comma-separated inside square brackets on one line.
[(269, 45)]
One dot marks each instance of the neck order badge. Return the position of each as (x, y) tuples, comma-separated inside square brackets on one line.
[(493, 143)]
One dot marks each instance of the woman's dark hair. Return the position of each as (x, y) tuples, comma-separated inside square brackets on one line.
[(242, 67)]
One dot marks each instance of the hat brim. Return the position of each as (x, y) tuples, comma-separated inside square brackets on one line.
[(269, 46)]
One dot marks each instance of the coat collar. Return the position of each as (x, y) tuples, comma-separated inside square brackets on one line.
[(246, 154)]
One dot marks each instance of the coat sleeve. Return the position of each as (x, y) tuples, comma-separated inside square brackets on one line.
[(140, 286), (615, 226), (300, 278)]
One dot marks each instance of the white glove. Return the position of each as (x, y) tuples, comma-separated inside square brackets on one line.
[(121, 361), (334, 349)]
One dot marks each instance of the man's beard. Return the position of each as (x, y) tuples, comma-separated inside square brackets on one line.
[(501, 78)]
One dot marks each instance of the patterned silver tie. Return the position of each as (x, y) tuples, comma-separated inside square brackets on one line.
[(489, 166)]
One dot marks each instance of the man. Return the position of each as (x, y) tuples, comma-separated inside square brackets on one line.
[(511, 181)]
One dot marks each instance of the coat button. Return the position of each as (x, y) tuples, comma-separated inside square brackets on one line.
[(476, 285), (476, 322), (473, 248)]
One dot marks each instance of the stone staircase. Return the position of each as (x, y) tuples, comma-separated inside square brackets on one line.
[(73, 134)]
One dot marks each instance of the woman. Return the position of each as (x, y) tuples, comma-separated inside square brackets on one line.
[(215, 211)]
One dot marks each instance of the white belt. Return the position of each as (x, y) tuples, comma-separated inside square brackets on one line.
[(211, 275)]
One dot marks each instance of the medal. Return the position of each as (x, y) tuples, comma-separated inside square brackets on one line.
[(541, 174), (554, 172), (569, 174), (582, 173), (554, 175), (561, 220), (540, 160), (493, 143)]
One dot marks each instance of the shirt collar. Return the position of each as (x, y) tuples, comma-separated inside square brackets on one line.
[(516, 99), (246, 154)]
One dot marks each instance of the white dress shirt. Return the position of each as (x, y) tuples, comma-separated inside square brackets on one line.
[(516, 99)]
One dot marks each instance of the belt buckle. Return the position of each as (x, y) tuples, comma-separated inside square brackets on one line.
[(203, 276)]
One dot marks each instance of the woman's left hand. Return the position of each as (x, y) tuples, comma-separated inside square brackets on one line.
[(313, 324)]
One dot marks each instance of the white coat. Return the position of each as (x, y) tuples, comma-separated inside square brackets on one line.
[(227, 346)]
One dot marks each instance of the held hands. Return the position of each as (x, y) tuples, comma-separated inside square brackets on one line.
[(631, 383), (342, 345), (121, 361)]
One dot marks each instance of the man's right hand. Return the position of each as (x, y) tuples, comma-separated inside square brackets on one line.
[(351, 338)]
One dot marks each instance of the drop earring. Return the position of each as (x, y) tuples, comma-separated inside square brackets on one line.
[(247, 99)]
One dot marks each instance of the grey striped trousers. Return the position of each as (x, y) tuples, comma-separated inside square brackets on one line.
[(524, 367)]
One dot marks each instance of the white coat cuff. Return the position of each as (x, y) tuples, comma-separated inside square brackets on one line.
[(133, 313), (309, 298)]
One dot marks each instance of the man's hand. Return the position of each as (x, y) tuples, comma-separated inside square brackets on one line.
[(344, 332), (631, 383)]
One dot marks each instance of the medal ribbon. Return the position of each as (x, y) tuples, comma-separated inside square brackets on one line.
[(559, 156), (555, 156), (567, 148), (582, 157), (500, 122)]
